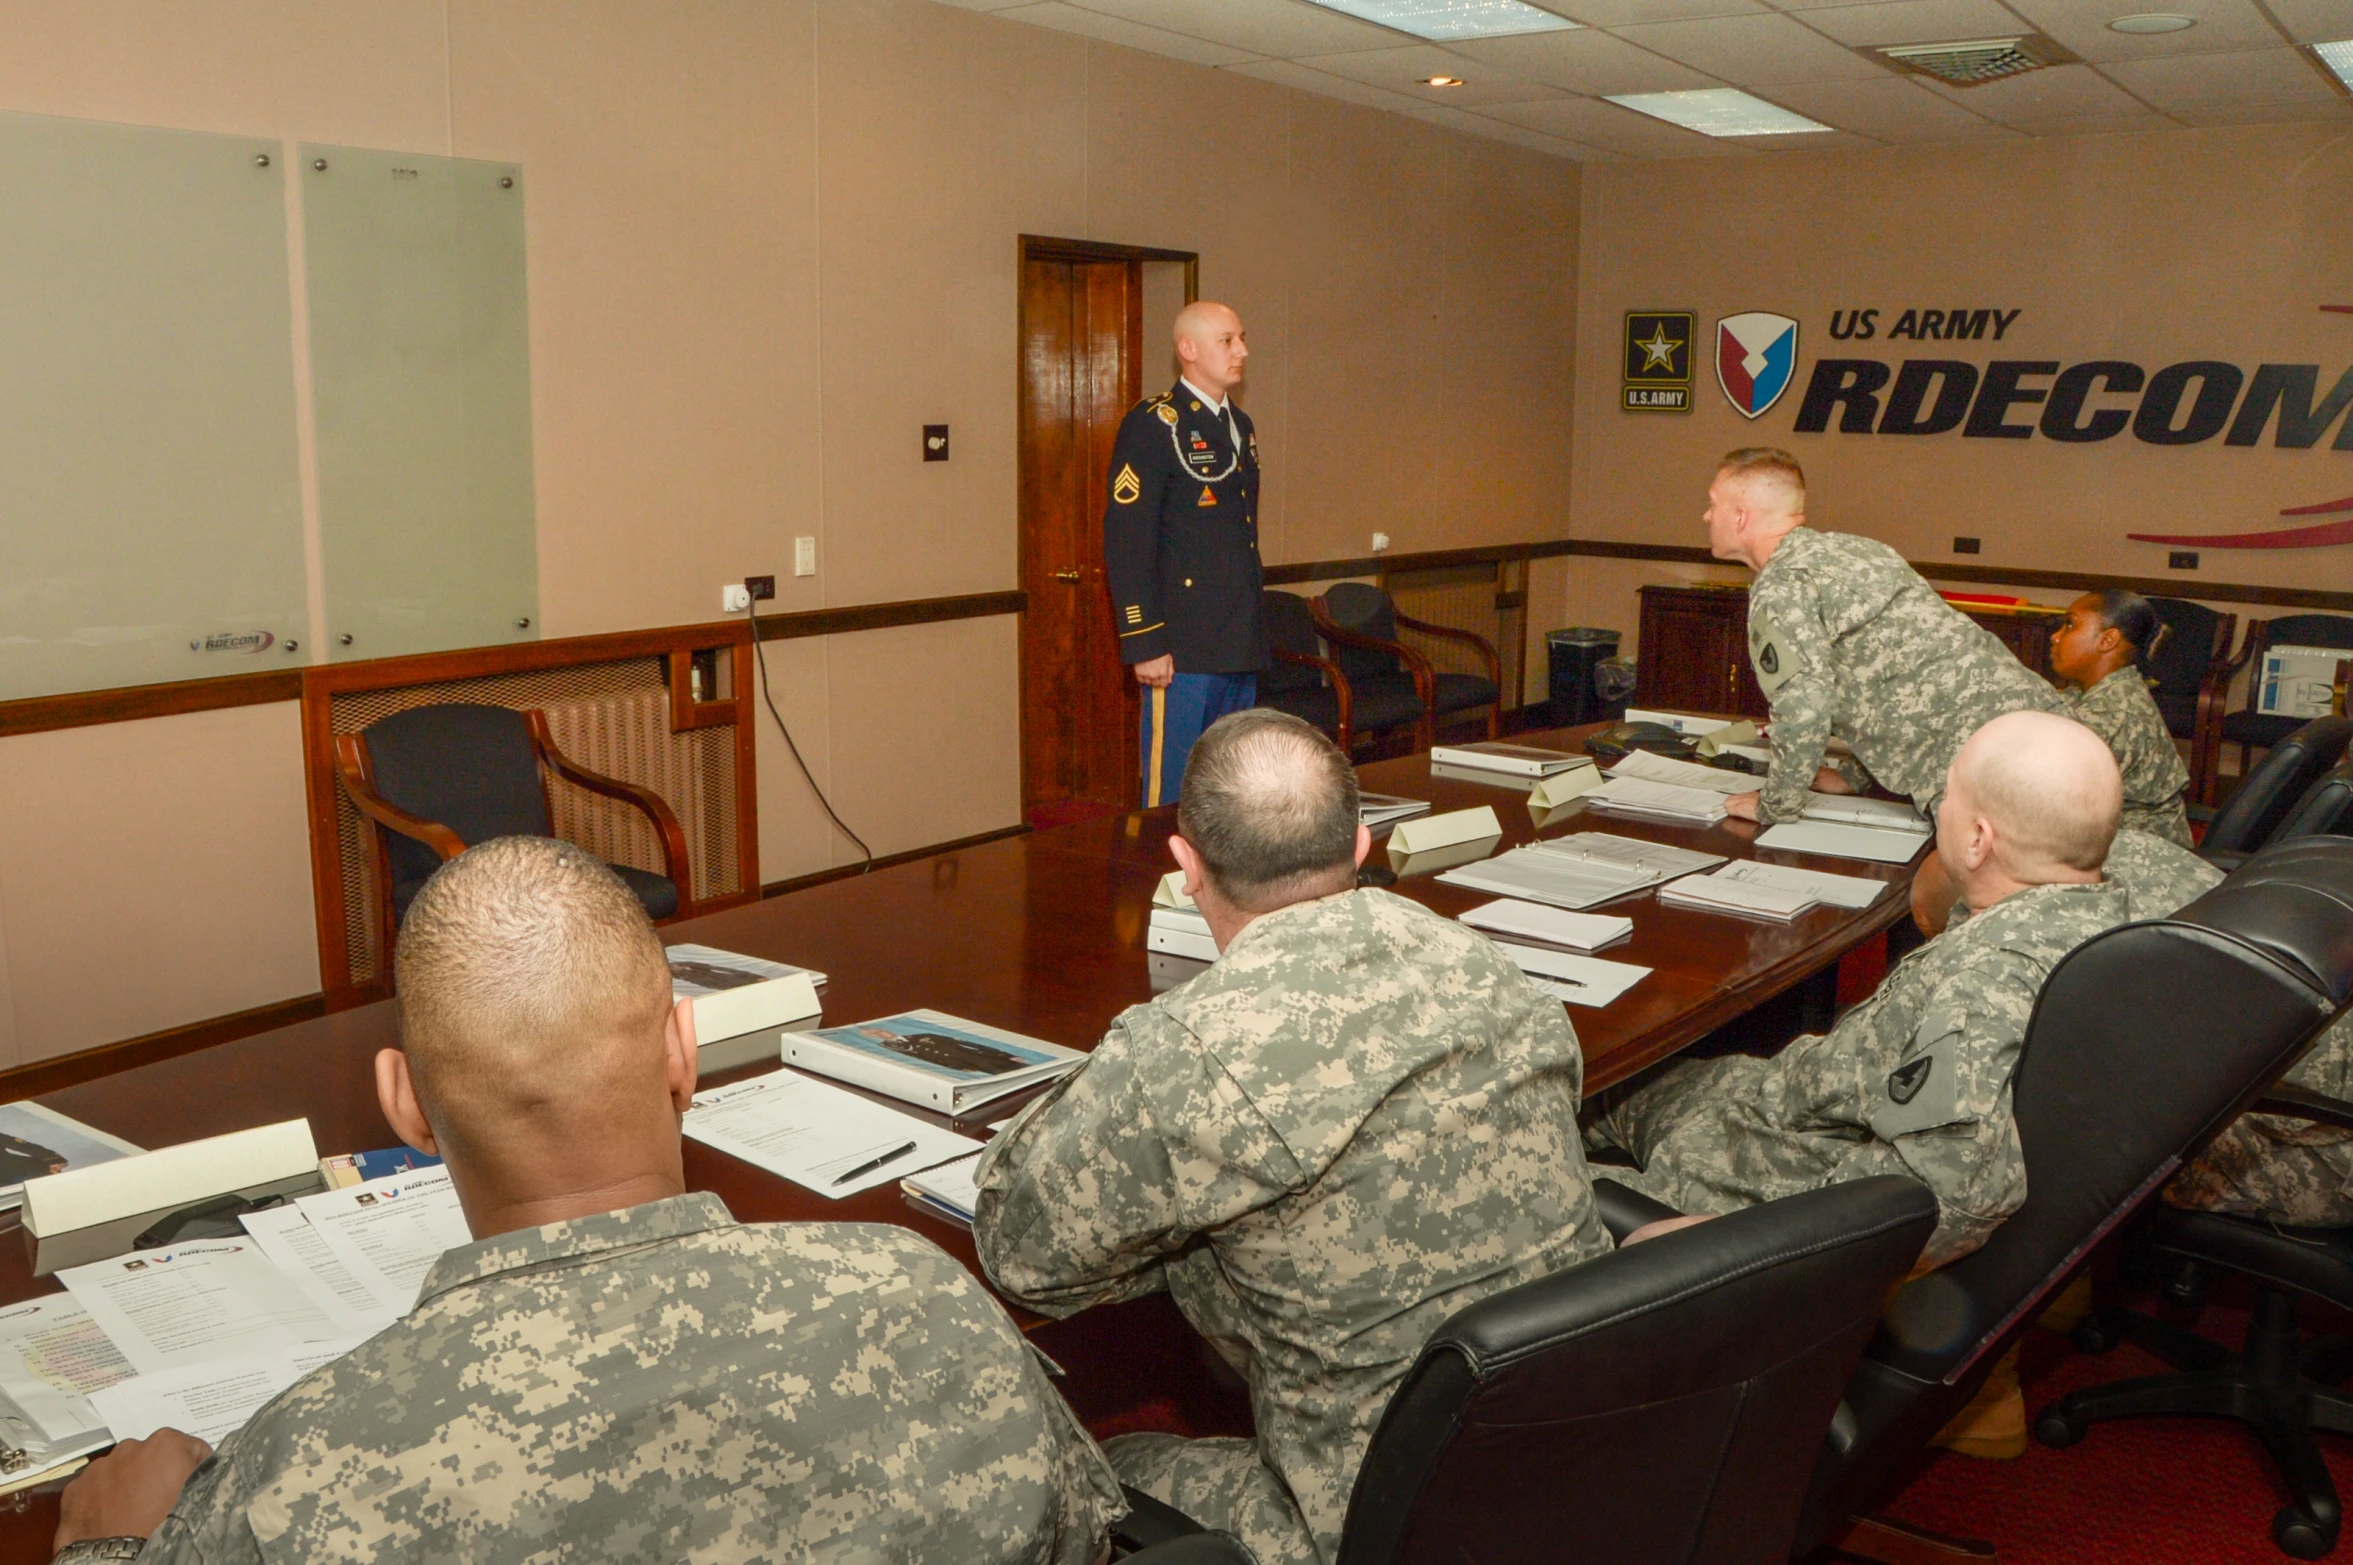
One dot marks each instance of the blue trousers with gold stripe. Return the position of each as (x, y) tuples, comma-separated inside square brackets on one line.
[(1174, 718)]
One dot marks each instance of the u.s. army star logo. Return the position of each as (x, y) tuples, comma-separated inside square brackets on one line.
[(1127, 489)]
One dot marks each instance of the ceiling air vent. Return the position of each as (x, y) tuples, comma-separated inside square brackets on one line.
[(1972, 61)]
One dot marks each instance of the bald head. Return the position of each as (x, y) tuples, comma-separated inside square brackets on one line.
[(534, 997), (2032, 799), (1210, 347), (1270, 805)]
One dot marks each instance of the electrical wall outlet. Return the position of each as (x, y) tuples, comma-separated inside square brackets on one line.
[(1380, 542), (760, 587), (804, 556), (2182, 560), (734, 598)]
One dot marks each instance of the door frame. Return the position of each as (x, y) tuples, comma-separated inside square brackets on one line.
[(1043, 247)]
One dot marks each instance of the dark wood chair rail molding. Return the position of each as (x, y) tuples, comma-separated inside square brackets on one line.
[(87, 708)]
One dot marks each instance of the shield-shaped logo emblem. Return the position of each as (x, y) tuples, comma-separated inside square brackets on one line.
[(1756, 355)]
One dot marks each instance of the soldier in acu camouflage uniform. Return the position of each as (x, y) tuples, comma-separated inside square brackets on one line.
[(1360, 1120), (1915, 1080), (1847, 640), (2097, 656), (651, 1382)]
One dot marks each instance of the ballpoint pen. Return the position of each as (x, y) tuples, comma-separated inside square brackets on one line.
[(871, 1164)]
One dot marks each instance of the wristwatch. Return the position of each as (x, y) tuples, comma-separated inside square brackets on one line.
[(86, 1551)]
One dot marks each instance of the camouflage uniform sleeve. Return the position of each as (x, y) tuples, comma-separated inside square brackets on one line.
[(1943, 1113), (1082, 1196), (207, 1523), (1790, 649)]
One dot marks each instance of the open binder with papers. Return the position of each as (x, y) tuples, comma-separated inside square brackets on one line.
[(1582, 870), (1844, 827), (930, 1059)]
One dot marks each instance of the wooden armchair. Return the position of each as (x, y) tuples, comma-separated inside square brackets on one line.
[(1364, 621), (2189, 675), (2248, 728), (433, 780), (1301, 680)]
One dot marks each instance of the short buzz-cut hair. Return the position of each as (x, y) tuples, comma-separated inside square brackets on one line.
[(1768, 462), (526, 961), (1270, 804)]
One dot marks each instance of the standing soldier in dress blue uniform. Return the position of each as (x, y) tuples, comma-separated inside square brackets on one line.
[(1180, 544)]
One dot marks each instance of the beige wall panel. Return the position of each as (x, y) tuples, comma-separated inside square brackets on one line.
[(935, 751), (794, 833), (943, 136), (362, 72), (671, 217), (2154, 249), (153, 873)]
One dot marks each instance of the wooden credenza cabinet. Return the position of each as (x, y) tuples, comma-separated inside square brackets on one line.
[(1693, 655)]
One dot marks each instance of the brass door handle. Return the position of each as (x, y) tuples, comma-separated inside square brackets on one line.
[(1068, 576)]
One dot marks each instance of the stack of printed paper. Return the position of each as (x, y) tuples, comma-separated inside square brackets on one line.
[(1552, 925)]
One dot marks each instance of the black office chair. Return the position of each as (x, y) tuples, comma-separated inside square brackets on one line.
[(1654, 1406), (1299, 679), (2249, 729), (2326, 810), (433, 780), (2199, 1013), (2255, 813), (2189, 678), (1362, 624), (1198, 1548)]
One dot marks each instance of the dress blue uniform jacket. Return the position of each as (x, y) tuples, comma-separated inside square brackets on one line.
[(1180, 536)]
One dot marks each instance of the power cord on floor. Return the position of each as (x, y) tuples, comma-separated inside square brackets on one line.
[(760, 657)]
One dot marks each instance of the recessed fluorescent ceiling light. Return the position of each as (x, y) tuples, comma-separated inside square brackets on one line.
[(2338, 57), (2152, 22), (1717, 111), (1448, 19)]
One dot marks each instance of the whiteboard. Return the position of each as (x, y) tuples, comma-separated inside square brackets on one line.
[(151, 500), (421, 395)]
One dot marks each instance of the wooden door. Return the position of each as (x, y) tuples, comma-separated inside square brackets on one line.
[(1694, 652), (1081, 359)]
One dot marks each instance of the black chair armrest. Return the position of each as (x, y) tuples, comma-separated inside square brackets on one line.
[(1149, 1522), (1623, 1209), (2303, 1103)]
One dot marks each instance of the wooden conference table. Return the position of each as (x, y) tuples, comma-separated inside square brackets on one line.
[(1042, 934)]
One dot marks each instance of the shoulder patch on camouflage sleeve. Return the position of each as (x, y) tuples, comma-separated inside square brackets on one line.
[(1769, 650), (1924, 1091)]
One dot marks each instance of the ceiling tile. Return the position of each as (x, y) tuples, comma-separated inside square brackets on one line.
[(1276, 29), (1587, 61), (2100, 125), (2283, 112), (1811, 141), (2315, 21), (1289, 73), (1754, 51), (1537, 141), (2218, 81), (1897, 109), (1403, 70), (2059, 92), (1624, 13), (1613, 129), (2082, 25), (1112, 29), (985, 5), (1911, 21)]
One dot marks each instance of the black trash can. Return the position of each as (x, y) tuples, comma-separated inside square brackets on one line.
[(1573, 655)]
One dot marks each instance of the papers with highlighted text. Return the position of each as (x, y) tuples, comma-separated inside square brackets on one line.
[(1580, 980), (194, 1303), (818, 1135), (211, 1400), (53, 1359), (1552, 925)]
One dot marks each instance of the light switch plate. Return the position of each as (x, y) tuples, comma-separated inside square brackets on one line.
[(804, 556)]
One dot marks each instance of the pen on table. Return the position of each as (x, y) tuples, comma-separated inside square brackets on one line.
[(871, 1164)]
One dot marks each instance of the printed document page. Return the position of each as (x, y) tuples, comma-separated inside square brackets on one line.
[(817, 1135), (1580, 980), (211, 1400), (1683, 774), (1833, 840), (1849, 891), (300, 1251), (1666, 801), (388, 1232), (1534, 875), (53, 1358), (1607, 847), (194, 1302)]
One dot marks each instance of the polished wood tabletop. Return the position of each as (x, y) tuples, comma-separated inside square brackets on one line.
[(1043, 934)]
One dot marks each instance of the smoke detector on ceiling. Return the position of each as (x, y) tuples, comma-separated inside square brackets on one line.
[(1970, 62)]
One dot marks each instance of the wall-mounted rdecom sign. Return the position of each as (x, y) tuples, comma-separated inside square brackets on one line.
[(2084, 403)]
